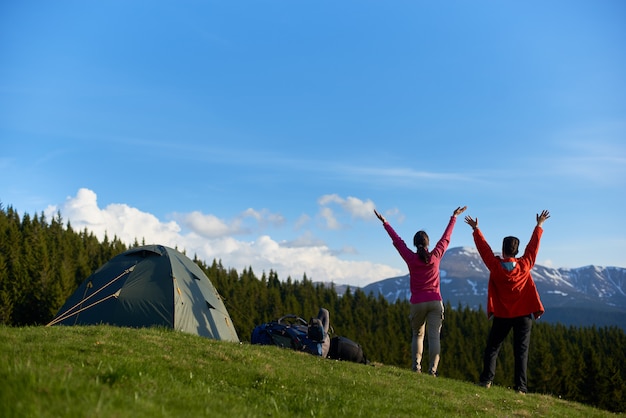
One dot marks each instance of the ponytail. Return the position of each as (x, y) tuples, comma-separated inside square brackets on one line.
[(423, 253), (421, 241)]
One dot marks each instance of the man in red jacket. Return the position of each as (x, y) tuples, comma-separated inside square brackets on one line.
[(512, 299)]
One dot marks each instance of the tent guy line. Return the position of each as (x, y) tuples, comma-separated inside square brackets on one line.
[(69, 313)]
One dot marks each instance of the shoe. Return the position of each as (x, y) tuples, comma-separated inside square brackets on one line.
[(486, 385), (433, 373)]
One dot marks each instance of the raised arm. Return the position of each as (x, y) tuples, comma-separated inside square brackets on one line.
[(484, 249), (379, 216), (532, 248), (459, 211), (404, 251), (471, 222), (444, 241), (541, 218)]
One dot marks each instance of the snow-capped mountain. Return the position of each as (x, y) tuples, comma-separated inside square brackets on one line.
[(583, 296)]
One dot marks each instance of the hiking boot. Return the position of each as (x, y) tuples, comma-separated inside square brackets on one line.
[(519, 390), (433, 373), (486, 385)]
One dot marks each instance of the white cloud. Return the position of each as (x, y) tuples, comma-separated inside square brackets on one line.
[(353, 206), (329, 218), (117, 220), (302, 221), (263, 217), (358, 208), (305, 240), (211, 238), (329, 198), (208, 226)]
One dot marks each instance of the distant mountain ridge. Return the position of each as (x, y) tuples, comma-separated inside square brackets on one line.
[(583, 296)]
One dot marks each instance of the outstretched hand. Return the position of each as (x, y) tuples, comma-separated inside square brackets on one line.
[(379, 216), (542, 217), (471, 222), (459, 210)]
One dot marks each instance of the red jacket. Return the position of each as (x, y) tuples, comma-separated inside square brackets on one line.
[(425, 279), (511, 291)]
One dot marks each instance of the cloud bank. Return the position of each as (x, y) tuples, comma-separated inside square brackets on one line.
[(211, 238)]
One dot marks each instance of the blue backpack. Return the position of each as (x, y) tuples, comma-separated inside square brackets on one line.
[(293, 332)]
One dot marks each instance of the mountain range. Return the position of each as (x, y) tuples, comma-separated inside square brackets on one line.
[(581, 297)]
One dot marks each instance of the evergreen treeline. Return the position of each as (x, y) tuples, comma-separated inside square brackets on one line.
[(42, 263)]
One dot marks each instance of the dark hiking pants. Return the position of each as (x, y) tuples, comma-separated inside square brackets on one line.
[(500, 328)]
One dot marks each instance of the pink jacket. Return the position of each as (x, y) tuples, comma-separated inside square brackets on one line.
[(425, 279), (512, 291)]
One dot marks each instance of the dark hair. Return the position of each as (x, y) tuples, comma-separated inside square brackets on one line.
[(510, 246), (421, 241)]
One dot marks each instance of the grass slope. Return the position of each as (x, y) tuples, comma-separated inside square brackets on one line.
[(103, 371)]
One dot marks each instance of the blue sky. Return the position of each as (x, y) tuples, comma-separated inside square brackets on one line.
[(263, 133)]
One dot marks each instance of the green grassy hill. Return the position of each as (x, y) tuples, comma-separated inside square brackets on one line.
[(103, 371)]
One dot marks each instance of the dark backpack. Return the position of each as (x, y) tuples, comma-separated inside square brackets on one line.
[(342, 348), (289, 331), (315, 330)]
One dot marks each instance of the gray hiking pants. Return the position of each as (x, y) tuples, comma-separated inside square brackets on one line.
[(426, 314)]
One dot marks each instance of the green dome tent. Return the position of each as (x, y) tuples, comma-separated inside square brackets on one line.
[(148, 286)]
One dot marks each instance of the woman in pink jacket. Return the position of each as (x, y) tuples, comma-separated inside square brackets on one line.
[(426, 301), (512, 299)]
